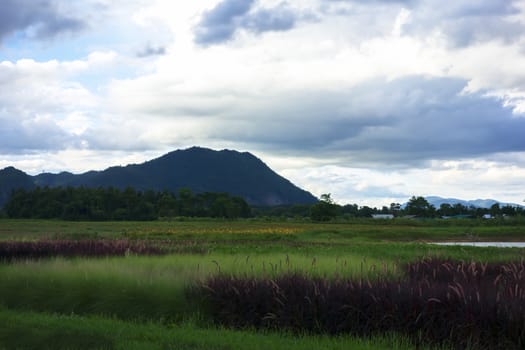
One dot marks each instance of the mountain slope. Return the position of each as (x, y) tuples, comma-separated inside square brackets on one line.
[(12, 179), (199, 169)]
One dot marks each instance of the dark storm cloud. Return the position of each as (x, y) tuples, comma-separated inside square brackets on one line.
[(42, 17), (405, 121), (220, 24), (432, 119)]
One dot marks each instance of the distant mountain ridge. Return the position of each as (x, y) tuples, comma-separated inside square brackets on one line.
[(477, 203), (196, 168)]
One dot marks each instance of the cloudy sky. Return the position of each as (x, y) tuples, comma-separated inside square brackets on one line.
[(371, 101)]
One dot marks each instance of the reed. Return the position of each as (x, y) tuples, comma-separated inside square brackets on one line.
[(18, 250), (437, 302)]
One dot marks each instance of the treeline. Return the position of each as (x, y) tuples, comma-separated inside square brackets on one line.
[(326, 209), (419, 206), (100, 204), (415, 207)]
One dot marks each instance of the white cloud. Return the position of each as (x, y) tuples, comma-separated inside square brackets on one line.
[(402, 18), (390, 85), (74, 160), (42, 103), (378, 187)]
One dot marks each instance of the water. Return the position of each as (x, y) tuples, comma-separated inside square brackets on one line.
[(485, 244)]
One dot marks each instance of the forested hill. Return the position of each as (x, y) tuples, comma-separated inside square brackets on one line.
[(198, 169), (10, 179)]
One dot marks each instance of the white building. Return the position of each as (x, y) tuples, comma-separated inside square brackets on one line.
[(383, 216)]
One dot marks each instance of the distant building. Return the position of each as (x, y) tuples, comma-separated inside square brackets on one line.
[(460, 216), (383, 216), (409, 217), (488, 216)]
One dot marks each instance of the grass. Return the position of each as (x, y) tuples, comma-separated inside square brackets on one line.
[(250, 230), (148, 295), (144, 287), (93, 287), (57, 331), (381, 240)]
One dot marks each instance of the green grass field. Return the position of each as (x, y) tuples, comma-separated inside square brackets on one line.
[(143, 301), (30, 330), (208, 230)]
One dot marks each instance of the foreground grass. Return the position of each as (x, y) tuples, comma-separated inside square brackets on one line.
[(112, 292), (147, 288), (155, 287), (29, 330)]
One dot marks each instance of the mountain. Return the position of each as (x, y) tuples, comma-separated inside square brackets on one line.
[(11, 178), (477, 203), (199, 169)]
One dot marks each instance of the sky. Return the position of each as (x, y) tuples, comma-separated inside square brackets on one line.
[(372, 101)]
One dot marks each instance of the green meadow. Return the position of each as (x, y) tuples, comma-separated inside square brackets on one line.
[(145, 302)]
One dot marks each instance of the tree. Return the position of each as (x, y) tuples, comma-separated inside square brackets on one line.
[(327, 198), (395, 208), (366, 212), (419, 206), (446, 209), (351, 210), (325, 209), (167, 204), (508, 210), (81, 203), (187, 202), (495, 209)]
